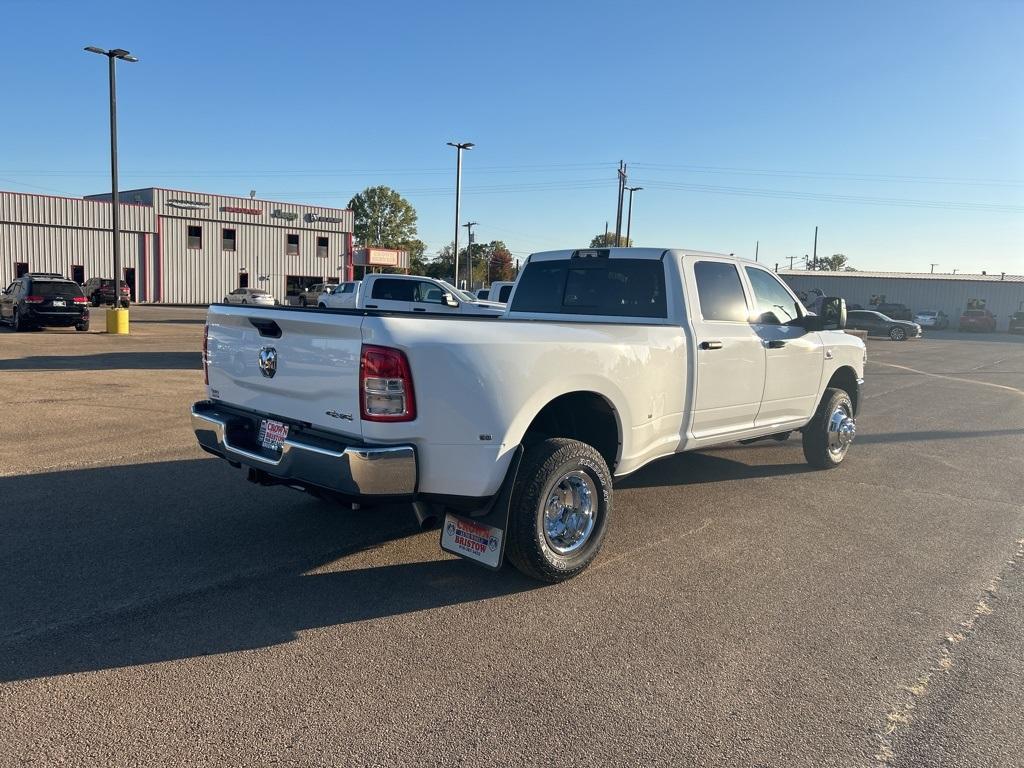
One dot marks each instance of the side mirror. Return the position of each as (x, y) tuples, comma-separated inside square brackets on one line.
[(450, 301), (833, 313)]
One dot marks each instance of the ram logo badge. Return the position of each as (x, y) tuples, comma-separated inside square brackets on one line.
[(268, 362)]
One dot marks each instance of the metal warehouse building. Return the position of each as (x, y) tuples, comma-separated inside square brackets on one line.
[(1002, 294), (177, 247)]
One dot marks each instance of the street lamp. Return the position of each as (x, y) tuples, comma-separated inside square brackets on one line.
[(629, 217), (459, 146), (469, 255), (117, 319)]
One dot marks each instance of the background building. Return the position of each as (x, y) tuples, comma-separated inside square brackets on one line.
[(177, 247), (1002, 293)]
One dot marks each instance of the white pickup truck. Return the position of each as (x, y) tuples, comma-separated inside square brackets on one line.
[(512, 428), (406, 293)]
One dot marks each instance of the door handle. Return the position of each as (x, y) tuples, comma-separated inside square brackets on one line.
[(776, 343), (371, 306), (711, 345), (418, 309)]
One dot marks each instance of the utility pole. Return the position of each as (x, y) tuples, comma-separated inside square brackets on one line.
[(757, 247), (618, 214), (791, 260), (459, 146), (815, 248), (114, 324), (629, 216), (934, 265), (469, 255), (606, 233)]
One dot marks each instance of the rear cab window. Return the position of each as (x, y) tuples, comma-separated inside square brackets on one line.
[(593, 286)]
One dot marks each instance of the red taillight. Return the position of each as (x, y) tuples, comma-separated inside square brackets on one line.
[(385, 385), (206, 354), (78, 300), (35, 299)]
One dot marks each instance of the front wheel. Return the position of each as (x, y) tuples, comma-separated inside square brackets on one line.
[(560, 507), (302, 301), (897, 334), (321, 305), (16, 323), (828, 435)]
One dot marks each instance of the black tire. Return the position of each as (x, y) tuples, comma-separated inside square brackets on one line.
[(95, 300), (321, 305), (16, 325), (302, 301), (816, 433), (545, 464), (82, 326), (125, 303), (244, 301), (896, 333)]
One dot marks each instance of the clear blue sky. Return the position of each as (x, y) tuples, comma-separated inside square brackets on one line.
[(897, 127)]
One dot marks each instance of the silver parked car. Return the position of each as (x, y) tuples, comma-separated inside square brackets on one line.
[(932, 318), (250, 296)]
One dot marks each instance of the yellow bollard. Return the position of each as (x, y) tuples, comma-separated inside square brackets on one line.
[(117, 321)]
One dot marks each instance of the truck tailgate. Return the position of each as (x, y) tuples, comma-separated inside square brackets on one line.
[(310, 369)]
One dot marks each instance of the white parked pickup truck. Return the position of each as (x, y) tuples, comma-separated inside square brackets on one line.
[(407, 293), (512, 428)]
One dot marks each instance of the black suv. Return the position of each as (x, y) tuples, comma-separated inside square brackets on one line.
[(894, 311), (1016, 323), (41, 298)]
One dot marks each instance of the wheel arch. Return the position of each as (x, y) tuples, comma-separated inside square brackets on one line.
[(583, 415), (846, 378)]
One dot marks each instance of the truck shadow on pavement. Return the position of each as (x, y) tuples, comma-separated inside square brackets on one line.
[(120, 566), (103, 361), (700, 467)]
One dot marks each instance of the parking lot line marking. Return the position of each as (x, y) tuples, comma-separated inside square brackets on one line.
[(1015, 390)]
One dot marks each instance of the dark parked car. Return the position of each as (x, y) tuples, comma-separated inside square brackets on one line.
[(1016, 323), (38, 299), (895, 311), (100, 290), (977, 320), (877, 324)]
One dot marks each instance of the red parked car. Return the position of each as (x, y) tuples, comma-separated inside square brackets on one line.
[(977, 320)]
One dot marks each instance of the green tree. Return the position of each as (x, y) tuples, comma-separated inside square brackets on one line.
[(383, 218), (608, 241), (417, 261), (834, 263)]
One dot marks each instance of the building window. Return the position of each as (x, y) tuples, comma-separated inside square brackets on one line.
[(227, 239), (195, 237), (20, 268), (78, 273), (292, 245), (321, 247)]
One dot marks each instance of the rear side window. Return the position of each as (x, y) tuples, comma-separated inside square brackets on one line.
[(395, 290), (504, 293), (55, 288), (612, 287), (720, 292)]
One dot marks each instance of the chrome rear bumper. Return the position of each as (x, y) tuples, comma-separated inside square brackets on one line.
[(353, 470)]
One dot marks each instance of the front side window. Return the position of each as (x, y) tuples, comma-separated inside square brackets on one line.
[(348, 288), (195, 237), (719, 291), (429, 293), (292, 245), (774, 304)]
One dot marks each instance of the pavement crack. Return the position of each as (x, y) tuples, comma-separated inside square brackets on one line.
[(900, 715)]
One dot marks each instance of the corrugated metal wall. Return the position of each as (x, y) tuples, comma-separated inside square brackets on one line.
[(949, 296), (206, 275), (72, 212), (57, 249)]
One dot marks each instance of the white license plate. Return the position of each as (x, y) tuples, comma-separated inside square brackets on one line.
[(272, 434), (471, 539), (59, 303)]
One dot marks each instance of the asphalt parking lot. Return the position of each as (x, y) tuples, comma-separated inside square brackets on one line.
[(746, 611)]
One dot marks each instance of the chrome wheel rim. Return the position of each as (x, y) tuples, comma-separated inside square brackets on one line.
[(898, 334), (842, 429), (570, 509)]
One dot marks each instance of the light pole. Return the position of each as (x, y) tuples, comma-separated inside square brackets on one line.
[(116, 321), (469, 255), (459, 146), (629, 216)]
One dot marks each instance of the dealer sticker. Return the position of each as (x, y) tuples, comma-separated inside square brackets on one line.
[(473, 540), (272, 434)]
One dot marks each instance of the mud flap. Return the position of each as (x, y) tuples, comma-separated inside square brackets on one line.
[(481, 538)]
